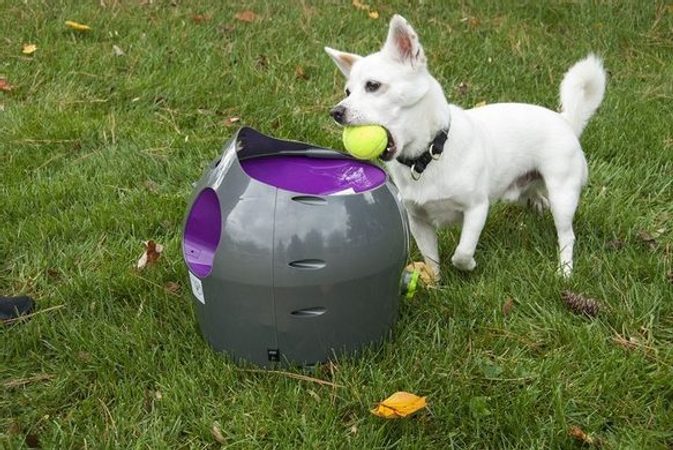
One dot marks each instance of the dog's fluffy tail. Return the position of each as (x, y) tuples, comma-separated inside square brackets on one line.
[(582, 91)]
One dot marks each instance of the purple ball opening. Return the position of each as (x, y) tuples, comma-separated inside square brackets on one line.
[(202, 233), (315, 176)]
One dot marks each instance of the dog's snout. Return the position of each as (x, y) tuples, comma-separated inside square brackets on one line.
[(338, 113)]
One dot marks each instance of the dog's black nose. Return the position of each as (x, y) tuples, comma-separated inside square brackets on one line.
[(338, 113)]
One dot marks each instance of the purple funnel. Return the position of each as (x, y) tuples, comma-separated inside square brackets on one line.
[(316, 176), (202, 233)]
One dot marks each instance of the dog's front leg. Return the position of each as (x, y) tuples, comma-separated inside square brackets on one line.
[(474, 219), (426, 239)]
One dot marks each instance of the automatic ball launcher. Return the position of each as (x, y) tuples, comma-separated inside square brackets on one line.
[(295, 253)]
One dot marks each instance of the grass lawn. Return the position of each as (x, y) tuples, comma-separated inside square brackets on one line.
[(97, 154)]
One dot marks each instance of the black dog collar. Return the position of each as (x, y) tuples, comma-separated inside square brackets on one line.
[(434, 151)]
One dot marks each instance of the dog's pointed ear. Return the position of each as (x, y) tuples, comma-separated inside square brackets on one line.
[(343, 60), (402, 42)]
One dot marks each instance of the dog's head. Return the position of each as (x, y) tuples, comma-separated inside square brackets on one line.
[(385, 87)]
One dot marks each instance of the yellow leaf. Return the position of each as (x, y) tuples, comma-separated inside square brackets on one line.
[(425, 272), (360, 6), (77, 26), (480, 104), (400, 404), (28, 49), (373, 14)]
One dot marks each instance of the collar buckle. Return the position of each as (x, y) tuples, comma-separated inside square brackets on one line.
[(435, 156), (415, 175)]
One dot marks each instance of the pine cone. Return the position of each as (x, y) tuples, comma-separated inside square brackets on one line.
[(580, 304)]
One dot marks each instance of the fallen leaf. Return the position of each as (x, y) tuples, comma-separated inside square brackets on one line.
[(5, 86), (400, 404), (151, 186), (628, 344), (261, 62), (216, 431), (158, 395), (425, 272), (480, 104), (579, 434), (615, 244), (200, 18), (650, 238), (77, 26), (246, 16), (231, 120), (28, 49), (353, 429), (360, 6), (300, 73), (151, 255), (463, 88), (14, 428), (172, 287), (507, 306), (373, 14), (118, 51)]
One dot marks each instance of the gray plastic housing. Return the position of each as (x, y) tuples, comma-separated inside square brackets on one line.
[(296, 278)]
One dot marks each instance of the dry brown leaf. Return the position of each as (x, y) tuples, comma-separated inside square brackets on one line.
[(629, 344), (14, 428), (647, 237), (463, 88), (200, 18), (28, 49), (172, 287), (300, 73), (5, 86), (360, 6), (507, 306), (216, 431), (246, 16), (77, 26), (615, 244), (373, 14), (400, 404), (425, 272), (151, 255), (579, 434), (480, 104), (231, 120)]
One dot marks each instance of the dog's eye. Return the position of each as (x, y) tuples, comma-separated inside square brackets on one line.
[(372, 86), (348, 92)]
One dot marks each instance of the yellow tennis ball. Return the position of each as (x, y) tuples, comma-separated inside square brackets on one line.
[(366, 141)]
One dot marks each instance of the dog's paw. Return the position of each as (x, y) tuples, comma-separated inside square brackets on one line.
[(565, 271), (538, 203), (463, 262)]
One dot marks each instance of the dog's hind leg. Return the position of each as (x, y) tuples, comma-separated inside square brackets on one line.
[(535, 197), (426, 239), (563, 200)]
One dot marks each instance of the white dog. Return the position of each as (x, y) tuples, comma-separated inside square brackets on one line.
[(510, 151)]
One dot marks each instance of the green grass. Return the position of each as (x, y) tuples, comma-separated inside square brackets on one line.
[(98, 152)]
